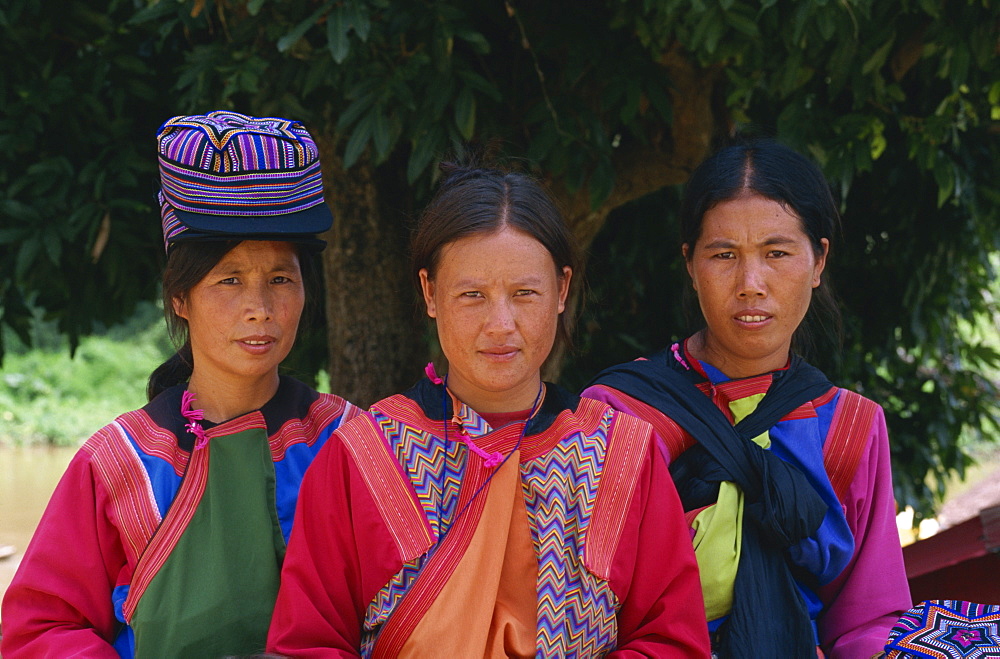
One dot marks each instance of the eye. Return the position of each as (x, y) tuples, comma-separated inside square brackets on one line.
[(525, 291), (229, 280), (776, 254), (281, 279), (472, 294), (724, 256)]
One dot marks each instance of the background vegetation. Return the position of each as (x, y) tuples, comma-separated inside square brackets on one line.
[(612, 103)]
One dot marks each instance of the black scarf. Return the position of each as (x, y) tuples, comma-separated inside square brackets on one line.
[(768, 617)]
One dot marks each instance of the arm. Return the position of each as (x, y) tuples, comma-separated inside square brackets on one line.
[(325, 585), (867, 598), (59, 603), (656, 576)]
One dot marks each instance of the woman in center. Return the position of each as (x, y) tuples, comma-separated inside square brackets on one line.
[(485, 512)]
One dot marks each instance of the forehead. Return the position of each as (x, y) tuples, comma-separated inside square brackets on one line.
[(750, 218), (260, 253), (507, 251)]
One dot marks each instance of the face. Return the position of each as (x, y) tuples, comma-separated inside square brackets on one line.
[(496, 299), (754, 269), (243, 316)]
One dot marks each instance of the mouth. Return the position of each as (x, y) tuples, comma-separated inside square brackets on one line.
[(256, 344), (752, 318), (501, 354)]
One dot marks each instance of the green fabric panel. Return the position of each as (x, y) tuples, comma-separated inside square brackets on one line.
[(215, 592)]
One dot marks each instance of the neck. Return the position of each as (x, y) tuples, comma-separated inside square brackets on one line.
[(703, 348), (521, 397), (222, 399)]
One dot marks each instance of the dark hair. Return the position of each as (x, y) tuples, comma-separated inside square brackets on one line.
[(772, 170), (187, 264), (482, 200)]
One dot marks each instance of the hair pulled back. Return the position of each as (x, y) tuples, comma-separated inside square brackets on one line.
[(187, 264), (774, 171), (473, 199)]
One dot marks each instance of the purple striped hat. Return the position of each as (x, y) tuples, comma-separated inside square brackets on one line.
[(227, 175)]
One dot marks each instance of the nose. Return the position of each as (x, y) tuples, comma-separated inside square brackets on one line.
[(500, 318), (258, 303), (751, 279)]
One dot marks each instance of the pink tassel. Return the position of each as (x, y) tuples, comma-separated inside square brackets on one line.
[(432, 374), (677, 355), (193, 416), (490, 460)]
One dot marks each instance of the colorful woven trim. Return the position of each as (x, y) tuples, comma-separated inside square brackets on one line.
[(945, 629), (239, 194)]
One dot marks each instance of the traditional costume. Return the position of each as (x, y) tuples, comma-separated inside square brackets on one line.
[(797, 545), (166, 535), (423, 531), (162, 548)]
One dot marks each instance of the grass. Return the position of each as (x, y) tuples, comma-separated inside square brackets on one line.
[(47, 396)]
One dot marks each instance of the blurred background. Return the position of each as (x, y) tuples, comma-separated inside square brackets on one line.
[(612, 103)]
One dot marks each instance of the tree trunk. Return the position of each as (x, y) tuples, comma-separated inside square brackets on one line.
[(374, 335)]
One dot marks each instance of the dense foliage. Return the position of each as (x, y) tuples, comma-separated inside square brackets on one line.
[(607, 101)]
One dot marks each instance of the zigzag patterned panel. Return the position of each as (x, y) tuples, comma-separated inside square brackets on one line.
[(576, 610)]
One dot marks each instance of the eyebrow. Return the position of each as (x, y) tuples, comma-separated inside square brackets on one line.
[(722, 243), (479, 283)]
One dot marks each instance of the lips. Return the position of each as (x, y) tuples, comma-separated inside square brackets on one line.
[(257, 344), (752, 316), (501, 353)]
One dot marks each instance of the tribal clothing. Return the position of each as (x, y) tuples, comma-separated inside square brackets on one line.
[(850, 570), (407, 544), (151, 547)]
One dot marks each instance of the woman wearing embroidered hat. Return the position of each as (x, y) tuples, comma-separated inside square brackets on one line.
[(487, 513), (166, 535), (797, 545)]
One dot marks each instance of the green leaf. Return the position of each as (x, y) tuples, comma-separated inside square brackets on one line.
[(338, 41), (465, 113), (358, 140), (253, 6), (877, 60), (357, 108), (381, 135), (425, 147), (292, 38), (361, 23)]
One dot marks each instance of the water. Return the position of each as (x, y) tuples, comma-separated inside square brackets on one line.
[(27, 477)]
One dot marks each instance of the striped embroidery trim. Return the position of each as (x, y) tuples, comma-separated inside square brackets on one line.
[(120, 470), (166, 537), (325, 411), (273, 192), (847, 439), (390, 489), (628, 444), (437, 570), (154, 440)]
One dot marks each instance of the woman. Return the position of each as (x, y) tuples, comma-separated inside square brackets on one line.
[(797, 545), (165, 536), (487, 513)]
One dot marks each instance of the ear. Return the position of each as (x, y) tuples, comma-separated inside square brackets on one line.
[(180, 307), (564, 280), (427, 289), (820, 262), (686, 255)]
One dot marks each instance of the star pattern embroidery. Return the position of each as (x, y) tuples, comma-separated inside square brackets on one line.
[(942, 631), (222, 126)]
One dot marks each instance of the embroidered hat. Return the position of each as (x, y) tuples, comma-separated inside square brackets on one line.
[(943, 629), (225, 175)]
